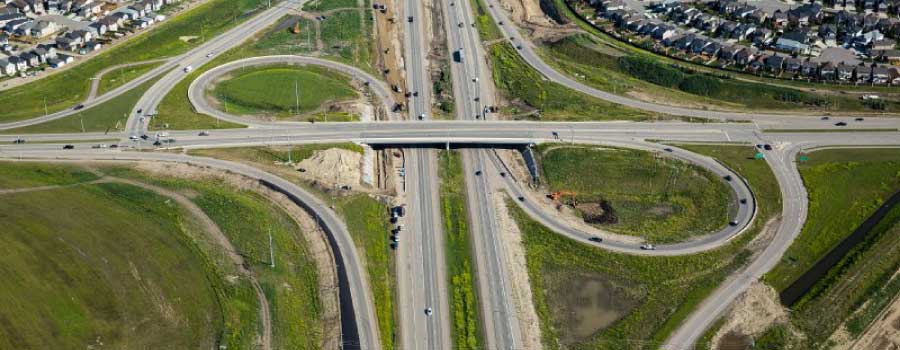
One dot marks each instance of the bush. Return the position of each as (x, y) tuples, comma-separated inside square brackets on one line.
[(700, 85), (646, 69)]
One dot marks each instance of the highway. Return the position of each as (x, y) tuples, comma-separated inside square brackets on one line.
[(471, 81), (422, 272), (420, 262)]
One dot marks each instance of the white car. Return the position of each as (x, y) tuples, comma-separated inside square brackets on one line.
[(209, 55), (188, 69), (648, 246), (428, 311)]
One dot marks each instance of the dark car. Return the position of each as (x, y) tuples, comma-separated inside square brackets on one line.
[(859, 119), (825, 118), (19, 141), (78, 107), (743, 200), (521, 199), (596, 239), (478, 172), (727, 177), (144, 137), (69, 147), (157, 143), (767, 147), (409, 19), (733, 223), (840, 124), (668, 150), (502, 174)]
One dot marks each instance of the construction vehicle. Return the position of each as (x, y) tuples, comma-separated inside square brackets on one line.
[(556, 196)]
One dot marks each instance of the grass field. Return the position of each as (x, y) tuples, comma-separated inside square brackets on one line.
[(845, 187), (327, 5), (23, 175), (108, 116), (636, 302), (176, 110), (68, 88), (137, 278), (247, 219), (283, 90), (544, 100), (119, 77), (367, 220), (661, 199), (487, 29), (270, 155), (464, 308)]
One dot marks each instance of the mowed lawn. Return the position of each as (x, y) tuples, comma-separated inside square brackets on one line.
[(124, 276), (283, 90), (661, 199), (845, 187)]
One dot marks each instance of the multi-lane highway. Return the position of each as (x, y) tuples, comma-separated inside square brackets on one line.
[(424, 306), (420, 264)]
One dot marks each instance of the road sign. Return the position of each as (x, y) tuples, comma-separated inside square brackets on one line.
[(804, 158), (759, 155)]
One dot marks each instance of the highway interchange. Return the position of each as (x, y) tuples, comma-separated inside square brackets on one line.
[(421, 272)]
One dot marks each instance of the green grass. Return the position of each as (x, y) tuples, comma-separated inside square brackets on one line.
[(845, 187), (292, 287), (527, 90), (176, 110), (24, 175), (131, 274), (328, 5), (119, 77), (108, 116), (487, 29), (464, 306), (366, 219), (68, 88), (663, 290), (661, 199), (278, 89)]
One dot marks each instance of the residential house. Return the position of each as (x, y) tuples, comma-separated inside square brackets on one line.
[(809, 69), (827, 71), (55, 63), (775, 64), (793, 65), (793, 42), (844, 72), (43, 28), (111, 22), (97, 29), (20, 64), (7, 68), (744, 56), (31, 59), (880, 75)]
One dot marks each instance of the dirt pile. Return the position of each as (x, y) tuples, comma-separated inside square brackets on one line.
[(598, 212), (753, 313), (333, 166)]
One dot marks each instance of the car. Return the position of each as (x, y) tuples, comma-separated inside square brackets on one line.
[(767, 147), (157, 143), (518, 47), (732, 223), (502, 174), (428, 311), (422, 116), (460, 24), (743, 200), (758, 145), (399, 228), (727, 177), (203, 133), (19, 141), (78, 107), (840, 124), (394, 245), (133, 138), (668, 149), (140, 110), (209, 55), (825, 118), (188, 69), (648, 246), (595, 239), (114, 146), (475, 79), (477, 172), (409, 19), (395, 239), (859, 119), (521, 199), (415, 94), (144, 137), (69, 147)]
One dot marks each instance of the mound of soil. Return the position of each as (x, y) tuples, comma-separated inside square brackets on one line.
[(598, 213)]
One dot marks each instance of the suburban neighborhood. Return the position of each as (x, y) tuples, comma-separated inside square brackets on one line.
[(836, 42), (36, 34)]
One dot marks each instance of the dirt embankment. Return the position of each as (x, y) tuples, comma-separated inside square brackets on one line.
[(332, 167), (529, 15)]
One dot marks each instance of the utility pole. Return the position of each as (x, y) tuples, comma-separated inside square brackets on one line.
[(271, 250), (45, 107), (297, 95), (81, 119)]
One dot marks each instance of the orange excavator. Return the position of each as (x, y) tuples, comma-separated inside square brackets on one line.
[(556, 196)]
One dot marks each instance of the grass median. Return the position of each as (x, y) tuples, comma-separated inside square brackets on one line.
[(586, 297), (118, 77), (464, 316)]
